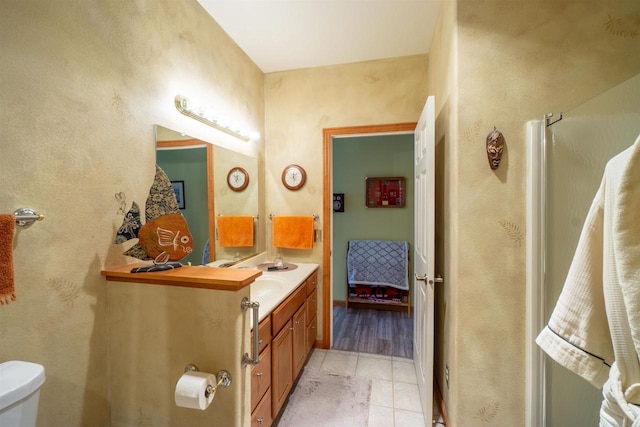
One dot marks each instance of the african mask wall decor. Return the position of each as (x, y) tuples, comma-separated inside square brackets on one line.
[(495, 146)]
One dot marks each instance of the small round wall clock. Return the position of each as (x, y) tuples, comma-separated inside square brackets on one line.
[(293, 177), (237, 179)]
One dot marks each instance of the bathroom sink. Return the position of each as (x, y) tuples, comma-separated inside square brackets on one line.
[(272, 279), (264, 286), (269, 291)]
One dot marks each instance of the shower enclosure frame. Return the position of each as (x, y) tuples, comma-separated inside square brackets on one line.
[(535, 375)]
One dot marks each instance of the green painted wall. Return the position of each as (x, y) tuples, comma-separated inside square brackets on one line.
[(355, 159), (190, 166)]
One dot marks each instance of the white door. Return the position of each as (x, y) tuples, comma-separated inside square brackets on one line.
[(423, 259)]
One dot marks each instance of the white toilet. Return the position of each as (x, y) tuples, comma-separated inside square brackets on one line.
[(20, 384)]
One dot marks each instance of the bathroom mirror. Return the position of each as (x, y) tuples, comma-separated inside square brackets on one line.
[(200, 171)]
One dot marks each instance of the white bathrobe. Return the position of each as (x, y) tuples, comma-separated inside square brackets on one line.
[(594, 329)]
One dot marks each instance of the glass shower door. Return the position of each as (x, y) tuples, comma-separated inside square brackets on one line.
[(578, 148)]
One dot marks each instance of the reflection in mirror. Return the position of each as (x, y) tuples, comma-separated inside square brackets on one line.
[(235, 203), (203, 168)]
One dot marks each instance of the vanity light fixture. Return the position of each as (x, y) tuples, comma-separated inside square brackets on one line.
[(208, 116)]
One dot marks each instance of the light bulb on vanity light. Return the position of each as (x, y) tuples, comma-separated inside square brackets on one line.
[(208, 116)]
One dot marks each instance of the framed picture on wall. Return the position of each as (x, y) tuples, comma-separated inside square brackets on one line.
[(385, 192), (178, 188)]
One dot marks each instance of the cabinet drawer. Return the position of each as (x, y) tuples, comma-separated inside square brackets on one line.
[(312, 306), (264, 334), (261, 417), (285, 310), (260, 378), (312, 282)]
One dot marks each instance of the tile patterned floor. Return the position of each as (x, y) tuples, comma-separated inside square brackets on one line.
[(394, 388)]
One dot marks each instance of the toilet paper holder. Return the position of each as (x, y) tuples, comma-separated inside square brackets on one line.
[(223, 378)]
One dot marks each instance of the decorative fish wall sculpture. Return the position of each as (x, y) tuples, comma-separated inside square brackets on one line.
[(165, 236), (495, 147)]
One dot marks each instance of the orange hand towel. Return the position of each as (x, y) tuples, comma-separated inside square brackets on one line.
[(293, 232), (235, 231), (7, 227)]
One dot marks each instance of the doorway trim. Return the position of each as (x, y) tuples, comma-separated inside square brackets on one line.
[(327, 205)]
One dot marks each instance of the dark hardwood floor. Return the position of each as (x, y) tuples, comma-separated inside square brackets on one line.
[(373, 331)]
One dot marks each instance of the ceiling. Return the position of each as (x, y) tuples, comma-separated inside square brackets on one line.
[(283, 35)]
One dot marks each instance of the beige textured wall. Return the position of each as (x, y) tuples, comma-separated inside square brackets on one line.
[(300, 103), (514, 61), (442, 76), (154, 332), (81, 86)]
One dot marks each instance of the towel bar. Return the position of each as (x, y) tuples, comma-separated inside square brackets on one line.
[(254, 216), (26, 216), (255, 306), (316, 217)]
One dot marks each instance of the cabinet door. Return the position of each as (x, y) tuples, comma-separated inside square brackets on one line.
[(311, 333), (281, 367), (299, 340), (260, 378)]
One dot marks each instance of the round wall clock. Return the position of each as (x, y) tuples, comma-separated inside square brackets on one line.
[(237, 179), (293, 177)]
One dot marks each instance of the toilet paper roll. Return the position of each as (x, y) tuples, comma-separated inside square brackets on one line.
[(191, 389)]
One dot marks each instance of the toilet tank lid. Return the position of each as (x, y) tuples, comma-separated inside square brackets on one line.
[(19, 379)]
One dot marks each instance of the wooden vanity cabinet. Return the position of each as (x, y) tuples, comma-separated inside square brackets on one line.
[(289, 353), (293, 328)]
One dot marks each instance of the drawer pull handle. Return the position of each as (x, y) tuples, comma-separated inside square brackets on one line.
[(260, 420), (291, 328), (259, 374), (259, 341)]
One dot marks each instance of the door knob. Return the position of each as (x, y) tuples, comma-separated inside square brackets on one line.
[(424, 278), (437, 279)]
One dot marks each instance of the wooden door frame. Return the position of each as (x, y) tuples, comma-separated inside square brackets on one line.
[(327, 206)]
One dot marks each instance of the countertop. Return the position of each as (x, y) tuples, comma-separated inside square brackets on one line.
[(224, 279), (293, 279)]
